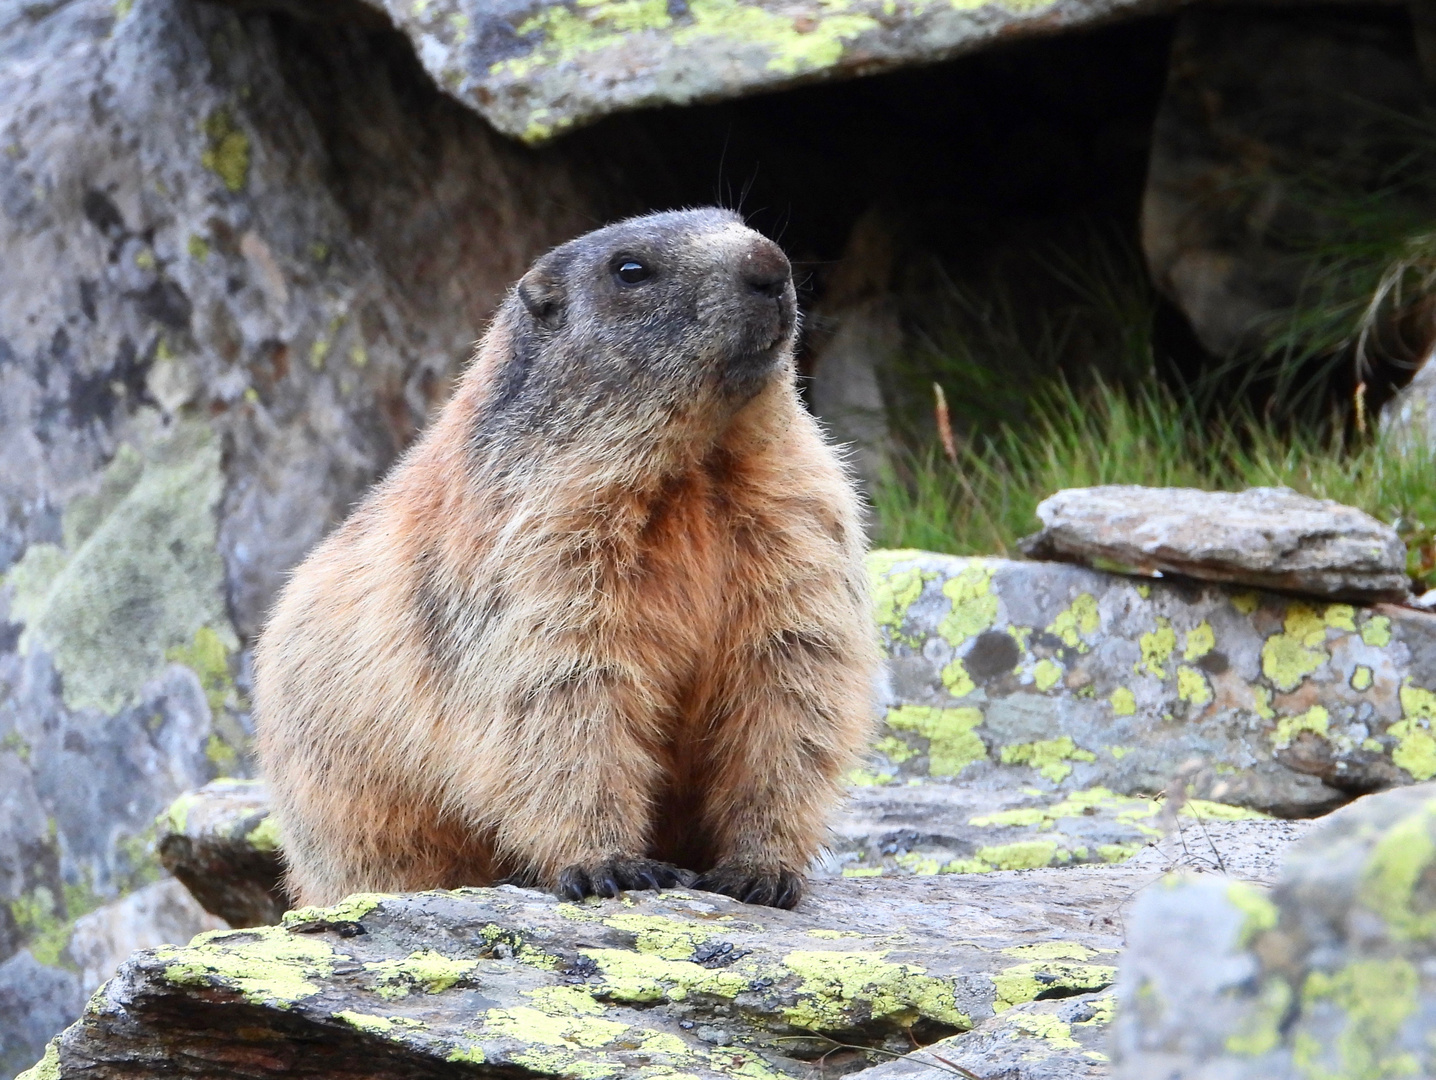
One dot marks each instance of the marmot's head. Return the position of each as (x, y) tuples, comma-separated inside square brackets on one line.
[(657, 316)]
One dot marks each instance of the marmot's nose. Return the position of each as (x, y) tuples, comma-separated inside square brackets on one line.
[(764, 268)]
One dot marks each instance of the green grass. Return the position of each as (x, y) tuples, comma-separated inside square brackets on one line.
[(986, 500)]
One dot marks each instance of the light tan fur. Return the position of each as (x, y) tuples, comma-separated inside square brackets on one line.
[(659, 645)]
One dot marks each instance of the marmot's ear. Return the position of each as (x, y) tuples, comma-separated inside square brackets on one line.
[(542, 294)]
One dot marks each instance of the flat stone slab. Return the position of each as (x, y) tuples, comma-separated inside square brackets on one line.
[(514, 982), (1330, 974), (1270, 538), (1008, 675), (535, 69)]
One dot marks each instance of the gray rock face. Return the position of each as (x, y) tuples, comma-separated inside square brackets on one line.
[(536, 69), (1076, 683), (1269, 538), (1329, 975), (1234, 127), (242, 256), (678, 983), (1411, 414)]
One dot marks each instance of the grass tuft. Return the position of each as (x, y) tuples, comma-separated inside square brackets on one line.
[(985, 500)]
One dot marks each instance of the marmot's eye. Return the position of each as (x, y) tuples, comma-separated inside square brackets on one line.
[(631, 271)]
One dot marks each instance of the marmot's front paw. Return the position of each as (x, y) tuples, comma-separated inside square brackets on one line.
[(613, 876), (754, 885)]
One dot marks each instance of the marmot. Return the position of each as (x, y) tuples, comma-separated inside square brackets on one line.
[(606, 621)]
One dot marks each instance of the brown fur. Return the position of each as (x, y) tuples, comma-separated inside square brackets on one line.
[(646, 639)]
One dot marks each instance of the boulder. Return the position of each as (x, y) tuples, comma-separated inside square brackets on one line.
[(222, 843), (507, 981), (536, 69), (1270, 538), (243, 254), (1331, 974), (1268, 113), (1008, 675)]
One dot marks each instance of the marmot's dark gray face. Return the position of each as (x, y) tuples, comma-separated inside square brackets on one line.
[(654, 312)]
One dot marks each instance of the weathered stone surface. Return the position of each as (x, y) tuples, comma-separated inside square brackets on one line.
[(222, 844), (241, 256), (534, 69), (1331, 975), (1009, 675), (930, 827), (1269, 538), (503, 981), (1257, 99)]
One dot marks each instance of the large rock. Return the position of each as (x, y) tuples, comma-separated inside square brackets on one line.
[(1270, 538), (1009, 675), (512, 982), (1331, 975), (242, 255), (1268, 113), (535, 68)]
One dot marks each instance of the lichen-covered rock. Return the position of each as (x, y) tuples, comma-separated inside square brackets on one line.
[(242, 254), (927, 827), (223, 845), (1004, 675), (514, 981), (1257, 101), (536, 68), (1057, 1039), (1333, 974), (1271, 538)]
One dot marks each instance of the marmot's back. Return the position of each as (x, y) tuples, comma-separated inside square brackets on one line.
[(606, 622)]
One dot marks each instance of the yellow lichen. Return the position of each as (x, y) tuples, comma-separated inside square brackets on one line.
[(1050, 757), (266, 965), (1361, 678), (1124, 702), (1376, 631), (1192, 686), (1316, 720), (893, 591), (1397, 865), (1416, 752), (1046, 674), (974, 604), (383, 1026), (953, 743), (958, 682), (838, 987), (1376, 997), (1157, 647), (1080, 620), (1022, 855), (1200, 641), (1054, 967), (1290, 656), (48, 1067), (226, 153), (426, 972)]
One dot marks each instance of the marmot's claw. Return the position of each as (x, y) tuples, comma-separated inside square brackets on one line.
[(771, 888), (614, 876)]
